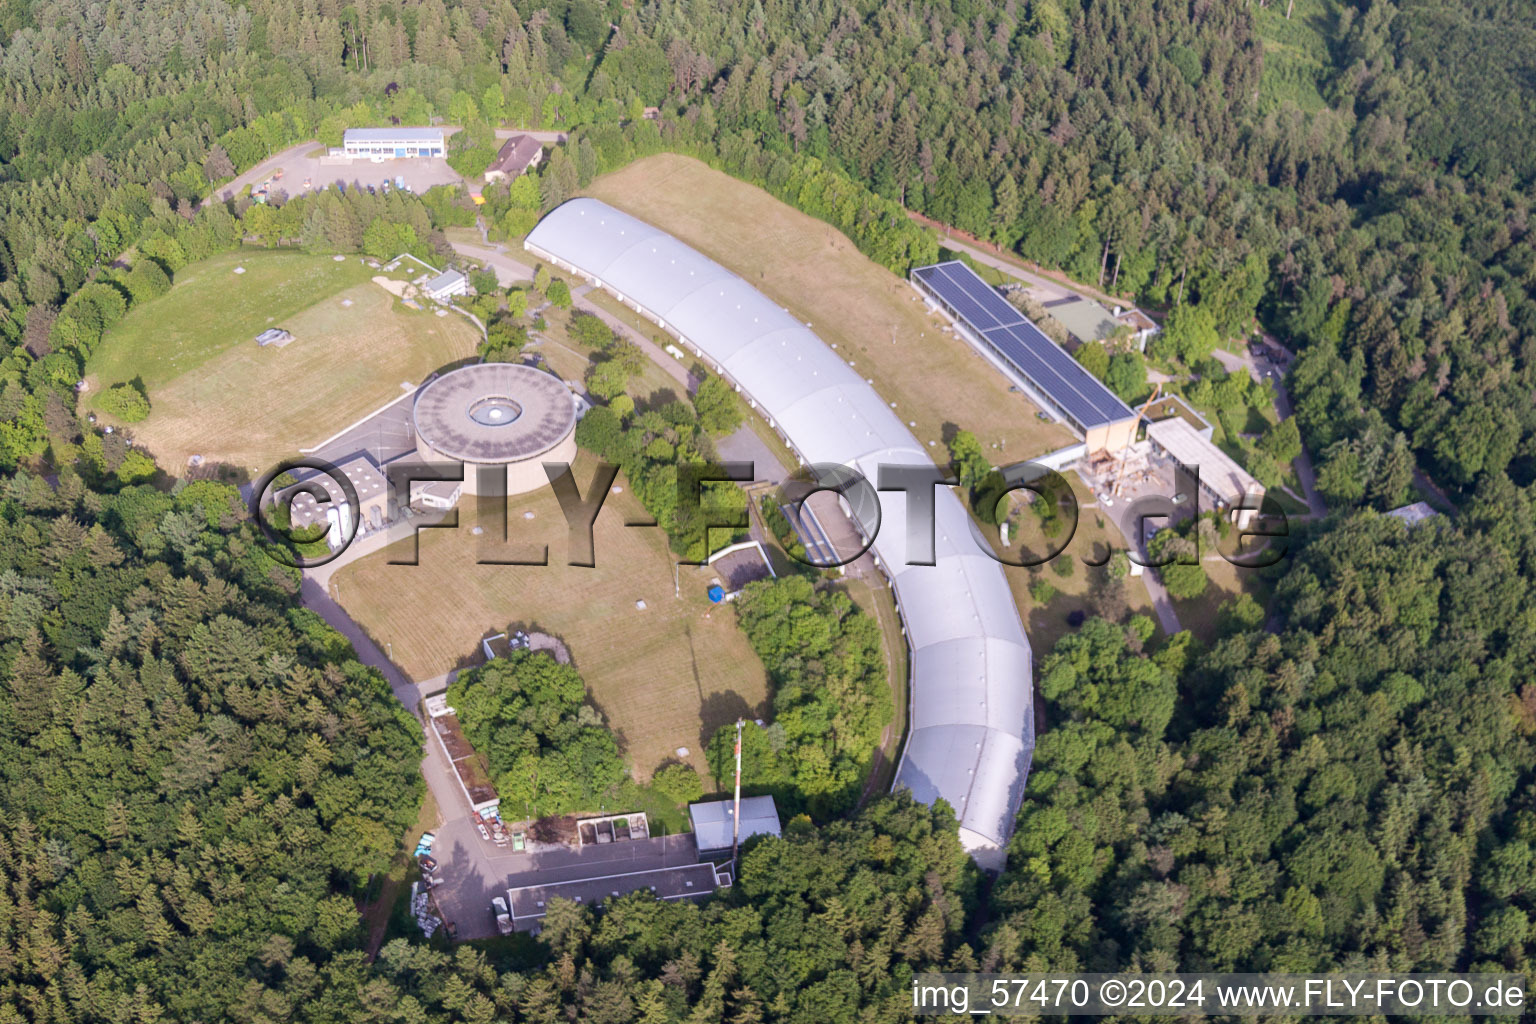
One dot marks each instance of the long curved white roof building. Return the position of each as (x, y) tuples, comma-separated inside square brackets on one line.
[(971, 729)]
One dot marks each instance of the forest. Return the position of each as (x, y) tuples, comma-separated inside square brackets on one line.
[(831, 697), (548, 748), (200, 781)]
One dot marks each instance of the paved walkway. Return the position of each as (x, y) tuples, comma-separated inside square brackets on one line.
[(547, 138), (464, 859), (509, 271), (1053, 286), (1161, 603), (1303, 463), (672, 366)]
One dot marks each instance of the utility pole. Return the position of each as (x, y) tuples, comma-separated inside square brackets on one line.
[(736, 807)]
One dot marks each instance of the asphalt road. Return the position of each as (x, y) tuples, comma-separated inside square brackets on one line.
[(477, 871), (508, 270), (474, 870)]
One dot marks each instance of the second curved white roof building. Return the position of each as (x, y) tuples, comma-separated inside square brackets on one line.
[(971, 730)]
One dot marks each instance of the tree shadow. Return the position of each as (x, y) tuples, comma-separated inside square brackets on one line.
[(657, 399), (721, 709), (218, 472)]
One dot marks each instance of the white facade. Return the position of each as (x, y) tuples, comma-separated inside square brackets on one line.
[(393, 142), (446, 285), (972, 719)]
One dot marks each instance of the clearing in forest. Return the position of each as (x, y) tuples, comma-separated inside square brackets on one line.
[(214, 392), (873, 316)]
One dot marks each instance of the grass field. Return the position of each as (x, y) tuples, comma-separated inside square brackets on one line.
[(215, 393), (665, 677), (873, 317)]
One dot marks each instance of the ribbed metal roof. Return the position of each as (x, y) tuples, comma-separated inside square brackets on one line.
[(972, 726)]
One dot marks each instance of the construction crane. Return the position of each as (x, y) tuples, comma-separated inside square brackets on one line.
[(1157, 389)]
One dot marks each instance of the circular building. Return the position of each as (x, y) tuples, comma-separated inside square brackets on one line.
[(497, 414)]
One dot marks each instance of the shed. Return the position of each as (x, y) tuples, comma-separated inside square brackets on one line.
[(446, 285), (712, 821)]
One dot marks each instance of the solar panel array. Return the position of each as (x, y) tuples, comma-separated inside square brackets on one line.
[(1045, 363)]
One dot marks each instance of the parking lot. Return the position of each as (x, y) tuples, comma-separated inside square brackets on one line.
[(474, 871), (310, 163)]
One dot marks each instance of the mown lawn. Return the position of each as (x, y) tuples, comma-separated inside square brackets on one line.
[(665, 676), (873, 317), (214, 392)]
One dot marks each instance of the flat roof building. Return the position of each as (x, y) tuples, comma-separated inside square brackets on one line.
[(1084, 319), (393, 142), (446, 285), (366, 481), (517, 155), (972, 718), (1222, 481), (712, 821), (1087, 321), (512, 417), (1043, 369), (529, 903)]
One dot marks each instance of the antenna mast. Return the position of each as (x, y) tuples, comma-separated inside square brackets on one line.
[(736, 807)]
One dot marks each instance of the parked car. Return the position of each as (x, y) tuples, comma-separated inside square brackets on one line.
[(519, 841), (483, 833)]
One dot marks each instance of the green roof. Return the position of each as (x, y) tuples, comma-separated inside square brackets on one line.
[(1084, 319)]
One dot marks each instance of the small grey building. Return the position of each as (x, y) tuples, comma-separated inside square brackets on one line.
[(713, 819)]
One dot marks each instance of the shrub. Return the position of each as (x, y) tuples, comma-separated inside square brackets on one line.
[(679, 783), (147, 280), (125, 402), (590, 330), (559, 294)]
